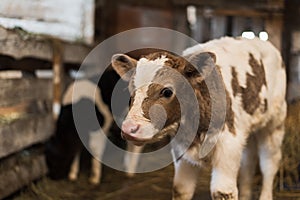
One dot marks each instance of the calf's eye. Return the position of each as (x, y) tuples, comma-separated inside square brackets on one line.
[(166, 92)]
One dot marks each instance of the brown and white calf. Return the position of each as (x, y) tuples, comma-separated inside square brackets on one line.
[(253, 77)]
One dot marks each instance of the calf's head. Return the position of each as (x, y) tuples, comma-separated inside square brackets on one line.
[(155, 83)]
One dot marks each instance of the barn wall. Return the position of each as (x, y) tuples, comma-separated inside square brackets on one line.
[(52, 18), (292, 47), (26, 122), (26, 117)]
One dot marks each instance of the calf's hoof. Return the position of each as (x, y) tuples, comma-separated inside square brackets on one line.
[(130, 175), (94, 180), (223, 196), (72, 177)]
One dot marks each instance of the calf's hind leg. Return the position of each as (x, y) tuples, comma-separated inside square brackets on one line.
[(247, 169), (269, 148), (74, 169), (97, 146)]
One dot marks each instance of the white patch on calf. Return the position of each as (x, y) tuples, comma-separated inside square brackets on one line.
[(136, 113), (84, 89), (146, 70), (145, 73)]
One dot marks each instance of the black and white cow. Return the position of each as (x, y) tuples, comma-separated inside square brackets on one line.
[(63, 152), (253, 77)]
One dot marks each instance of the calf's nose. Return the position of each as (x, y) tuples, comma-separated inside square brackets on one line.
[(130, 127)]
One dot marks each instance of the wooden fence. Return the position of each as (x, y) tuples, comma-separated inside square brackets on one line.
[(26, 121)]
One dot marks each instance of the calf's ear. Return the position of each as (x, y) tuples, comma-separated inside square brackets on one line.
[(200, 65), (123, 65)]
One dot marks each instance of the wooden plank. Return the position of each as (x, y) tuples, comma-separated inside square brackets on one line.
[(245, 13), (14, 91), (274, 29), (10, 74), (71, 21), (26, 107), (24, 133), (19, 44), (58, 74), (295, 42), (145, 3), (19, 170), (218, 26), (142, 16), (234, 4)]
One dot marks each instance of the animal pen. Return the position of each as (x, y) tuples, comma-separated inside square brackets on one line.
[(41, 41), (33, 50)]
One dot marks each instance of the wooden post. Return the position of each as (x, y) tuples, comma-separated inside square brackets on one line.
[(274, 28), (58, 73)]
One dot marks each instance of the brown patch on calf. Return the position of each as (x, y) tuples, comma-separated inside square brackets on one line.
[(176, 62), (155, 55), (204, 100), (205, 111), (222, 196), (173, 60), (265, 105), (236, 88), (171, 106), (250, 94), (229, 120)]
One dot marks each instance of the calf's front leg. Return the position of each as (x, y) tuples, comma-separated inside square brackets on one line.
[(185, 180), (131, 158), (225, 165)]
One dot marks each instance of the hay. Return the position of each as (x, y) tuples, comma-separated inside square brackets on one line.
[(116, 183), (291, 148)]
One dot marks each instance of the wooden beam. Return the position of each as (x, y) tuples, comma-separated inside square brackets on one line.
[(162, 4), (58, 74), (25, 132), (274, 27), (244, 13), (19, 44), (295, 44), (273, 5), (25, 108), (15, 91), (68, 21)]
